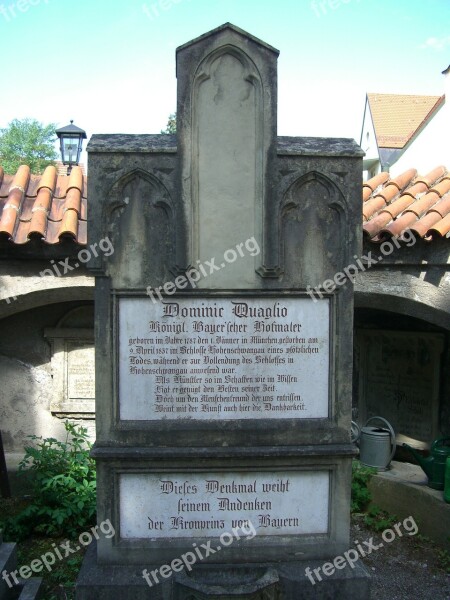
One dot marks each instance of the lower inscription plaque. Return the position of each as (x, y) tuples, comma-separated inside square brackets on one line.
[(187, 505), (225, 358)]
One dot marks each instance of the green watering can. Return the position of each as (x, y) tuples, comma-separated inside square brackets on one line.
[(434, 465)]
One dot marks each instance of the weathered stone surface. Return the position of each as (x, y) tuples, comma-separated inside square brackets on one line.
[(21, 284), (399, 379), (269, 581), (122, 143), (408, 293)]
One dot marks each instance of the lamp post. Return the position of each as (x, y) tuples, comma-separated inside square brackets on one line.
[(71, 141)]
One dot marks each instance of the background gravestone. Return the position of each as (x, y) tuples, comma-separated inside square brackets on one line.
[(399, 378), (223, 393)]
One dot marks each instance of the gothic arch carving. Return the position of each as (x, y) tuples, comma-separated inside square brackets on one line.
[(141, 208), (313, 228), (225, 73)]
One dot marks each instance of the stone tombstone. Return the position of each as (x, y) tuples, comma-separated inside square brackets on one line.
[(73, 364), (400, 373), (223, 389)]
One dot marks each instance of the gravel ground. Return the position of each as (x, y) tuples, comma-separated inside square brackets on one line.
[(408, 568)]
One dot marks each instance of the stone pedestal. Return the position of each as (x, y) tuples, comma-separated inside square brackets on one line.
[(222, 582)]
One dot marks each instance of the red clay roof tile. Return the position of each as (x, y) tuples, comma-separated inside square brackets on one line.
[(40, 211), (375, 225), (69, 223), (12, 207), (401, 181), (419, 187), (376, 181), (397, 227), (73, 200), (388, 193), (441, 188), (419, 207), (76, 180), (421, 227), (399, 205), (372, 206), (432, 176), (442, 207), (442, 228), (48, 179)]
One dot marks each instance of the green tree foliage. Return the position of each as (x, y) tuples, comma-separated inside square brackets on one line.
[(171, 124), (27, 142)]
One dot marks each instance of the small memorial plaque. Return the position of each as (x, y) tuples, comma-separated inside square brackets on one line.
[(228, 358), (73, 371), (80, 372), (187, 505)]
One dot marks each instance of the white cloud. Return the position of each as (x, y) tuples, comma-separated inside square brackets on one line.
[(437, 43)]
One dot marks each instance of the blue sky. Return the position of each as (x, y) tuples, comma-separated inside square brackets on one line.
[(110, 64)]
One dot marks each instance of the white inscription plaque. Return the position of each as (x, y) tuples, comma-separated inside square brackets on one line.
[(80, 372), (187, 505), (224, 358)]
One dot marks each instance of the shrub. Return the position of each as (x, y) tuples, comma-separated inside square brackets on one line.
[(63, 487), (361, 495)]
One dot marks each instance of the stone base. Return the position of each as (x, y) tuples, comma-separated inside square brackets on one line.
[(403, 491), (280, 581), (26, 589)]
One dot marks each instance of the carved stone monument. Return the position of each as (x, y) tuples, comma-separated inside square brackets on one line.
[(223, 389)]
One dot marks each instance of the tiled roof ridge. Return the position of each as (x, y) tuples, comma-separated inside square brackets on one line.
[(49, 206), (50, 177)]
